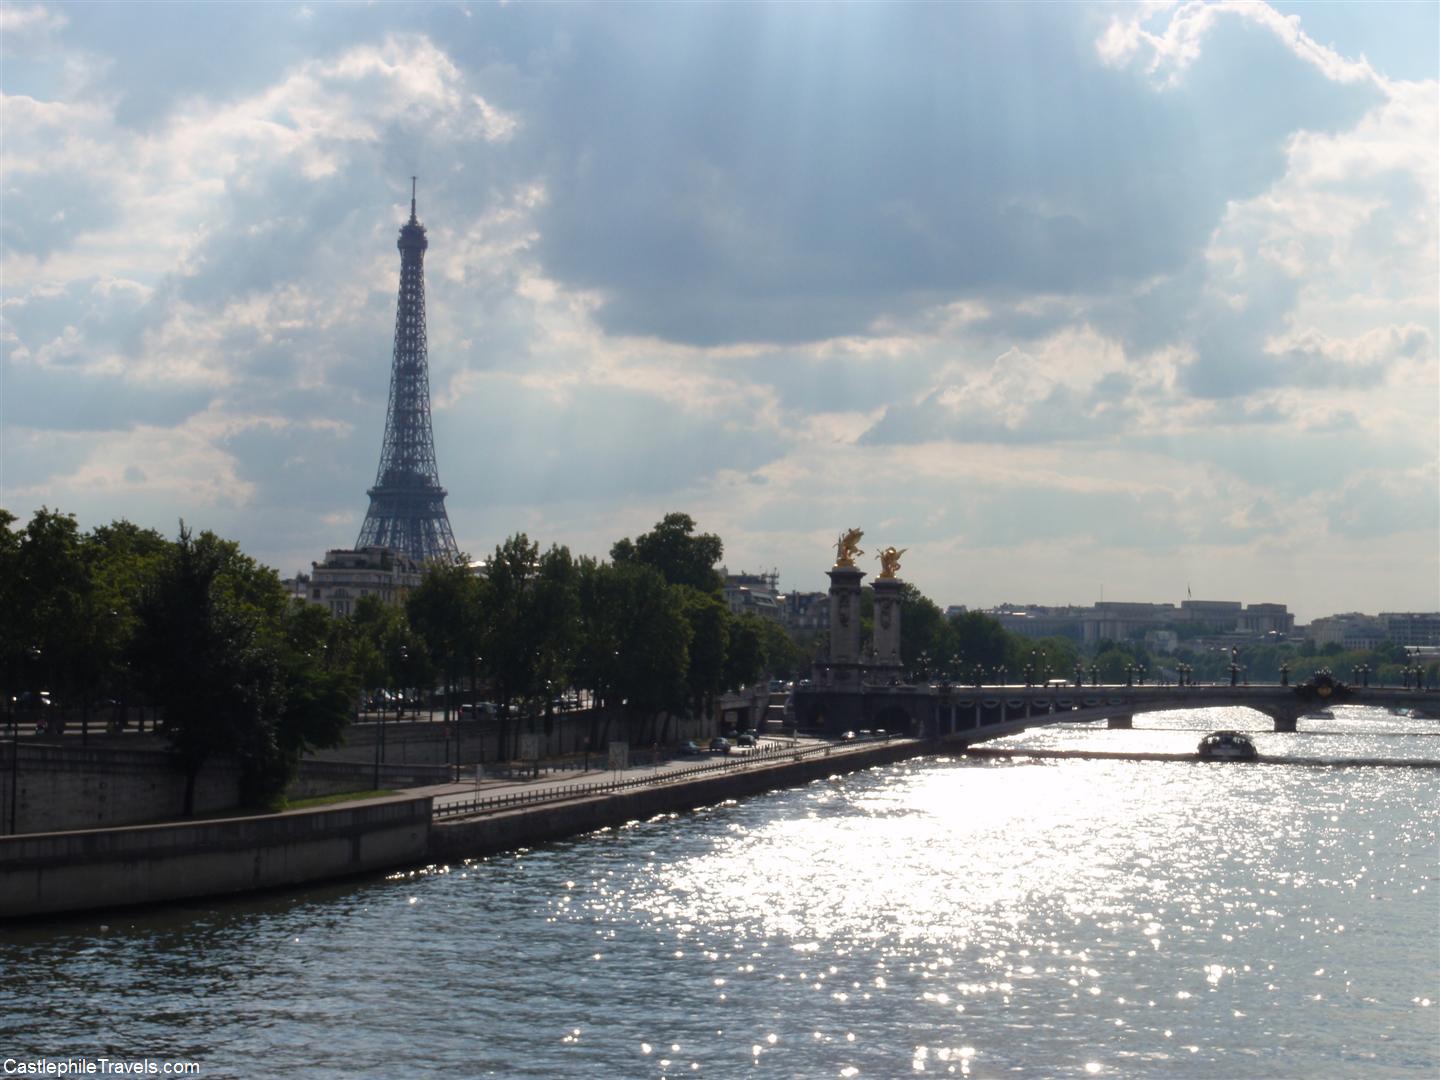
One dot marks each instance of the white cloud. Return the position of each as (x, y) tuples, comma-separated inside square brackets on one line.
[(20, 22), (1175, 46), (819, 323)]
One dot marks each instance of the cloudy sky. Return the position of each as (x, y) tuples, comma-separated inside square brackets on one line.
[(1063, 298)]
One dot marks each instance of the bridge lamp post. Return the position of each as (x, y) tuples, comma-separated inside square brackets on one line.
[(1141, 674), (1094, 675), (1079, 676), (1129, 674)]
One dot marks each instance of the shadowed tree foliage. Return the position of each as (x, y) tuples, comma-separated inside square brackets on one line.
[(746, 660), (926, 638), (635, 645), (215, 649), (710, 622), (979, 640), (673, 548), (445, 611)]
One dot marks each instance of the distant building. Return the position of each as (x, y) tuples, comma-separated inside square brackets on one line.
[(1161, 641), (1267, 619), (1125, 621), (753, 594), (347, 575), (805, 611), (298, 586), (1412, 627), (1350, 630)]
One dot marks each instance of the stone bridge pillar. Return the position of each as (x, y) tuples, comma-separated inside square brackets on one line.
[(845, 614), (887, 622)]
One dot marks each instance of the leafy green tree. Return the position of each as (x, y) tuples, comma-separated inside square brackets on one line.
[(1114, 658), (745, 662), (508, 644), (979, 642), (12, 627), (445, 611), (50, 595), (372, 632), (924, 632), (214, 651), (204, 661), (635, 642), (784, 656), (673, 548), (553, 616), (710, 622), (120, 559)]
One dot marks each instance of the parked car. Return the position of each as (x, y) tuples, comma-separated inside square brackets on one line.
[(689, 748), (720, 745), (745, 739), (847, 736)]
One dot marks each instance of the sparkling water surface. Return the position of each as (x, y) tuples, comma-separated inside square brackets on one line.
[(941, 916)]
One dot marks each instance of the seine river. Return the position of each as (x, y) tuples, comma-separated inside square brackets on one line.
[(974, 918)]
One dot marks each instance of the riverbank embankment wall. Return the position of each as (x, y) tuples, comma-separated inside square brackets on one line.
[(49, 788), (473, 837), (51, 873), (57, 872)]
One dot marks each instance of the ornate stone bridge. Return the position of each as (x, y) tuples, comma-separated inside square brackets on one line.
[(971, 714), (856, 689)]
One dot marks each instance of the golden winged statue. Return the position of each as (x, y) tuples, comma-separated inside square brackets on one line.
[(890, 561), (847, 547)]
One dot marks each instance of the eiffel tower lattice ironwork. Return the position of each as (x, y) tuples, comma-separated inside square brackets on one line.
[(407, 503)]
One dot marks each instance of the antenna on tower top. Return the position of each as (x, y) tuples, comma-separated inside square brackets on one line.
[(412, 198)]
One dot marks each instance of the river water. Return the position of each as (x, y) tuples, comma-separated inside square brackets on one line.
[(942, 916)]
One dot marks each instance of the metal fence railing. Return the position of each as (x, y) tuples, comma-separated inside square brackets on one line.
[(730, 763)]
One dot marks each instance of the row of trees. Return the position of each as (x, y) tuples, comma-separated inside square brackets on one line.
[(192, 627), (647, 633), (232, 665)]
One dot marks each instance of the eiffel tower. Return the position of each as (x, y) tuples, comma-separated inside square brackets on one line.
[(407, 503)]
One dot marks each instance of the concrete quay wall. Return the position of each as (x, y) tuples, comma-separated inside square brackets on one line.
[(51, 873), (51, 787), (424, 742), (70, 787), (485, 835)]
